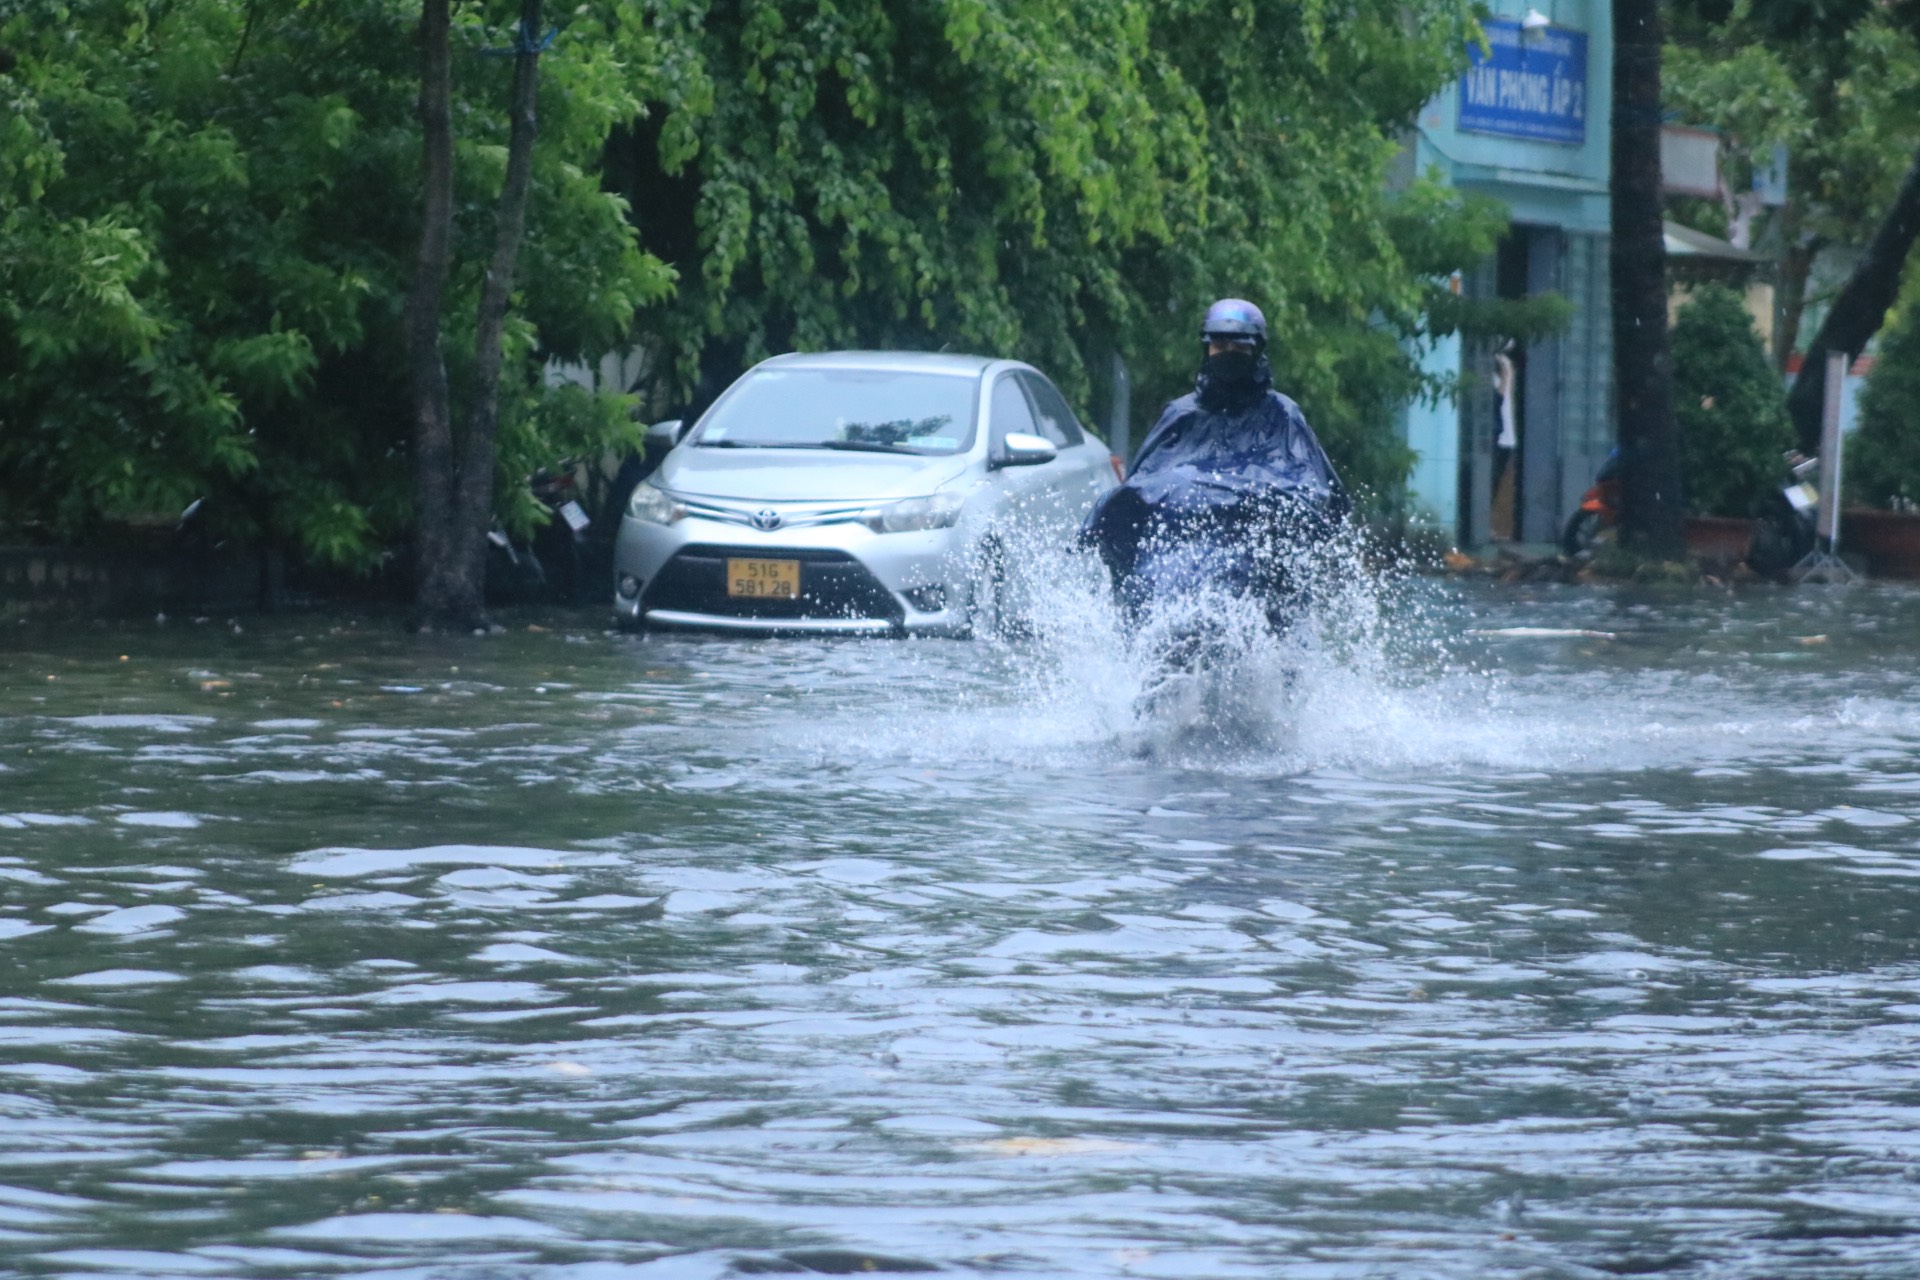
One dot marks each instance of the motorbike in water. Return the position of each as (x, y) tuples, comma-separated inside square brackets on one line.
[(1211, 543), (1212, 600)]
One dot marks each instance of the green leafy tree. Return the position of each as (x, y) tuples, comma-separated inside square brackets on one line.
[(1837, 82), (1057, 182), (1729, 404), (209, 224), (207, 233), (454, 478), (1883, 456), (109, 397)]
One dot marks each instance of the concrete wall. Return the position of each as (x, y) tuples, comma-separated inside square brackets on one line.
[(130, 581), (1435, 482), (1545, 183)]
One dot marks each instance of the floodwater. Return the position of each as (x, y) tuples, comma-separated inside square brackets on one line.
[(1524, 933)]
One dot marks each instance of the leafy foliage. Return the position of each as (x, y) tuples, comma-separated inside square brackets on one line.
[(1057, 182), (206, 235), (1836, 82), (1729, 405), (1883, 456), (208, 218)]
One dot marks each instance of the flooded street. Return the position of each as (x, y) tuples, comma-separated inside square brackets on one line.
[(1534, 933)]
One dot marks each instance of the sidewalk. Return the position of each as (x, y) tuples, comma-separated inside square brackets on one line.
[(1543, 562)]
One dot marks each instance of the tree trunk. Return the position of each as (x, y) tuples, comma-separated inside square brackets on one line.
[(454, 487), (1650, 515), (473, 512), (433, 459), (1860, 308), (1790, 288)]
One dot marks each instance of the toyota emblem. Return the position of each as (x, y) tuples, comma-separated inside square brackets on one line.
[(766, 518)]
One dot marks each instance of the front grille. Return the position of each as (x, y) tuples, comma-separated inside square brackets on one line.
[(792, 515), (832, 585)]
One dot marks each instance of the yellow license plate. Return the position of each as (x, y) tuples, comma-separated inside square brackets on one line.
[(764, 579)]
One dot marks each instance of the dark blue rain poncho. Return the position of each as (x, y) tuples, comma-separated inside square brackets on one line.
[(1221, 465)]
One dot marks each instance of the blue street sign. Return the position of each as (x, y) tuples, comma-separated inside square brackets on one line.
[(1526, 84)]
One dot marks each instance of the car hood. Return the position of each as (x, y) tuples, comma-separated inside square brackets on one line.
[(803, 475)]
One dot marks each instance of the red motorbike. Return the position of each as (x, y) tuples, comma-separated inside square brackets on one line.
[(1598, 515), (1783, 520)]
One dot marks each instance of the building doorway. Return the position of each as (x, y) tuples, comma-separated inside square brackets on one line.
[(1551, 398), (1508, 427)]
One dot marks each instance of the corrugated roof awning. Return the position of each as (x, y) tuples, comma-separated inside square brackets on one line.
[(1685, 242)]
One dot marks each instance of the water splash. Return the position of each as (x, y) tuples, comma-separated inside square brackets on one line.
[(1389, 672), (1365, 679)]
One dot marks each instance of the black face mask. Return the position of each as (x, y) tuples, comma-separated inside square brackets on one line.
[(1230, 371), (1232, 380)]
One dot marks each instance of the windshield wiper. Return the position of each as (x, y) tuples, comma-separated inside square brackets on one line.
[(865, 446), (853, 446)]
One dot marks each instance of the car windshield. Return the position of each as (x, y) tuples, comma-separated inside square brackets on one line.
[(864, 410)]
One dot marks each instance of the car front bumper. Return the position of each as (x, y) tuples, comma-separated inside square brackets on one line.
[(853, 581)]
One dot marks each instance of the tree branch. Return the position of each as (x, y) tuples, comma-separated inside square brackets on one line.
[(1859, 309)]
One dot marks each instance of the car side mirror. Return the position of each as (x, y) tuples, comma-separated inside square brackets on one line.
[(1018, 449), (665, 435)]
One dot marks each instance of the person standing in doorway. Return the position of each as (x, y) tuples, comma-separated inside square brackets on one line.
[(1506, 438)]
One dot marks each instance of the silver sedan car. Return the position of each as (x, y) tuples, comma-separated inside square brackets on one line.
[(859, 492)]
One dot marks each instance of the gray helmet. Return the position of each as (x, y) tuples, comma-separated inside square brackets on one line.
[(1235, 318)]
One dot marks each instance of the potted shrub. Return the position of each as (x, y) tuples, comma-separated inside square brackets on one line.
[(1732, 416), (1882, 461)]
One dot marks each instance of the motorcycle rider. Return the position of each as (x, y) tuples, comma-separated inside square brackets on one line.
[(1233, 463)]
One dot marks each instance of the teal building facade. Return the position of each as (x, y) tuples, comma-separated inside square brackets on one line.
[(1530, 123)]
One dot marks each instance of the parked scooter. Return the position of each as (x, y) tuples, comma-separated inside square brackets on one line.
[(1597, 518), (1783, 533), (1783, 524), (658, 442), (552, 565)]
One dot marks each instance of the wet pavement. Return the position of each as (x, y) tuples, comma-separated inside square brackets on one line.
[(1522, 932)]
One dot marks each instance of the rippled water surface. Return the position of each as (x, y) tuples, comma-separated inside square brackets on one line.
[(1468, 951)]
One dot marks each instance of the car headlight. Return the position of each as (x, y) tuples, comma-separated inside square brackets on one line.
[(655, 506), (912, 514)]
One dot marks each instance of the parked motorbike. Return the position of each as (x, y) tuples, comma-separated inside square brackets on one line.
[(551, 566), (1783, 520), (1784, 532), (636, 466), (1597, 518)]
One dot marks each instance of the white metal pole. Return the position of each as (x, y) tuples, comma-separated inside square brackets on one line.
[(1830, 446)]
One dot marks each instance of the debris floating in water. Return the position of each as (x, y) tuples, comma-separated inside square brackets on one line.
[(1546, 633), (1054, 1146)]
